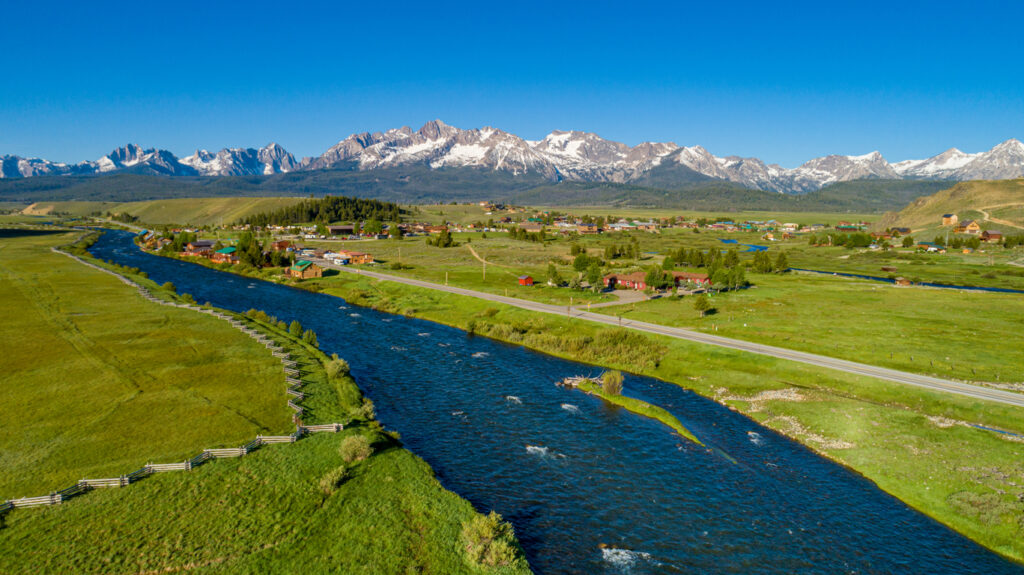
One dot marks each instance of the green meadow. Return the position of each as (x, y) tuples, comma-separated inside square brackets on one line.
[(97, 380), (945, 333)]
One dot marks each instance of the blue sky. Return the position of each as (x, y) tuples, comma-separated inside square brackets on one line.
[(783, 81)]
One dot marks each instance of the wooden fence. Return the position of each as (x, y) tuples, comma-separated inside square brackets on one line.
[(292, 379)]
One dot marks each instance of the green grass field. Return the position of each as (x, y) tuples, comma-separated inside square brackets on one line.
[(192, 211), (97, 380), (829, 218), (279, 509), (946, 333), (913, 443)]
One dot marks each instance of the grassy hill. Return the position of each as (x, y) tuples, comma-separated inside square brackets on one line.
[(994, 204), (197, 211)]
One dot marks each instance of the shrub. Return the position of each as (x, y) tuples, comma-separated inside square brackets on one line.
[(611, 382), (336, 367), (489, 541), (367, 410), (333, 478), (355, 448), (168, 286)]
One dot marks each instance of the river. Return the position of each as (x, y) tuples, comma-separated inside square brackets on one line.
[(599, 490)]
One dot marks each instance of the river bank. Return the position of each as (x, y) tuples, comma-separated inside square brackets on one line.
[(913, 444)]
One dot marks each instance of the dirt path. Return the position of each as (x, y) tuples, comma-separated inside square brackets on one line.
[(988, 218), (477, 256)]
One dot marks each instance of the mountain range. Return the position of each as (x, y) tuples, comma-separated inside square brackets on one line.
[(559, 156)]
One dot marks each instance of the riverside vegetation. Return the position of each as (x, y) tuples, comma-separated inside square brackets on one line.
[(916, 444), (355, 502), (609, 388)]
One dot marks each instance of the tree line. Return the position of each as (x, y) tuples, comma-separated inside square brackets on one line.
[(327, 209)]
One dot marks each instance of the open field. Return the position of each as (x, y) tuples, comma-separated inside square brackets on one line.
[(945, 333), (97, 380), (264, 513), (915, 444), (829, 218), (193, 211)]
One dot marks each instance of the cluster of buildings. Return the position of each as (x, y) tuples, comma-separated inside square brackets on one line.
[(638, 280), (970, 227)]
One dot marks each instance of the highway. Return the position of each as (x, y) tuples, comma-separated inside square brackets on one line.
[(902, 377)]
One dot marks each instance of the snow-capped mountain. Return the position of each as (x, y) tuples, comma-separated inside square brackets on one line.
[(561, 155), (271, 159)]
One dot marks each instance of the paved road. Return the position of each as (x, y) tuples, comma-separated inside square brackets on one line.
[(933, 383)]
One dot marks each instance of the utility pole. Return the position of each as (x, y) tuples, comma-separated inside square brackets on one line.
[(485, 269)]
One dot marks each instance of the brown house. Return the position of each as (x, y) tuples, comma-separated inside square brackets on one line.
[(280, 246), (991, 236), (949, 219), (225, 256), (635, 280), (201, 248), (689, 277), (305, 269), (356, 257), (588, 229), (968, 227)]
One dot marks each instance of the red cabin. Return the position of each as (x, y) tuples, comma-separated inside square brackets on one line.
[(525, 281)]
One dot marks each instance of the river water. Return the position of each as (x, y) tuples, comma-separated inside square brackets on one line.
[(591, 488)]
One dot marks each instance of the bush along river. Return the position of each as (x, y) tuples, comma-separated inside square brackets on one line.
[(590, 487)]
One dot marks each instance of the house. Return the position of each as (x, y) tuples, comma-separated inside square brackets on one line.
[(587, 228), (305, 269), (888, 269), (900, 231), (903, 282), (346, 230), (949, 219), (968, 227), (931, 247), (635, 280), (435, 229), (225, 256), (280, 246), (531, 227), (991, 236), (200, 248), (525, 281), (355, 257), (683, 278)]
